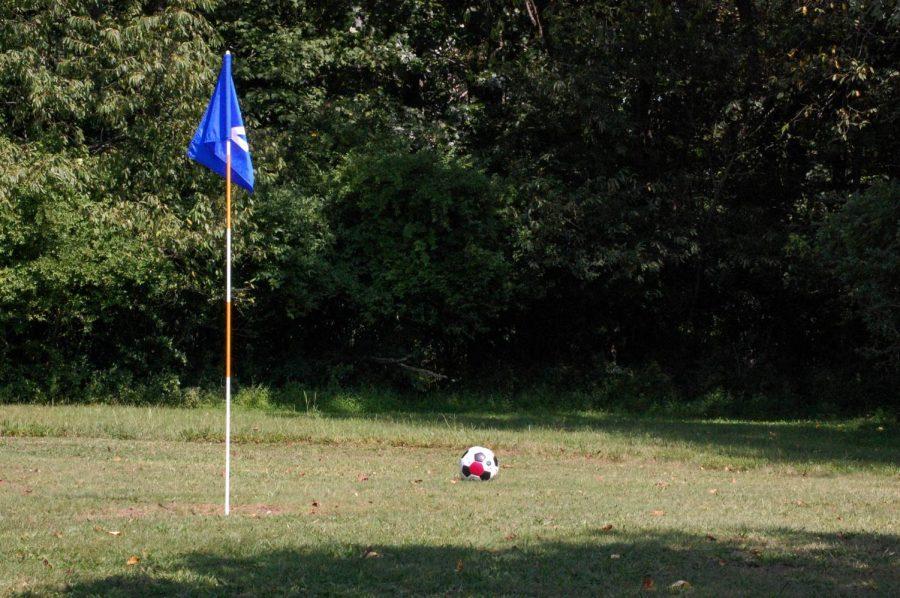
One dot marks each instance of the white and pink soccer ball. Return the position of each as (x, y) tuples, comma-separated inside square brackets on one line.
[(479, 464)]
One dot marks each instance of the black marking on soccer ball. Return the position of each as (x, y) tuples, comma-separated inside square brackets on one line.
[(479, 457), (496, 461), (466, 471), (464, 454), (486, 476)]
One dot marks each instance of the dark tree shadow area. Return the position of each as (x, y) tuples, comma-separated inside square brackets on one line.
[(795, 442), (786, 562)]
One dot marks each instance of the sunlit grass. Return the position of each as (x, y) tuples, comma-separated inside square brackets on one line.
[(730, 507)]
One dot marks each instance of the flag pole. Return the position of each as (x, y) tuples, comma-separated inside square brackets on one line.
[(222, 124), (227, 327)]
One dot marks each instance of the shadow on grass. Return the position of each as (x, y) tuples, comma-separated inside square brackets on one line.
[(790, 442), (778, 562)]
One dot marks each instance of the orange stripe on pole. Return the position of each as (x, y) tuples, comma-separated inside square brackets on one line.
[(228, 233), (227, 327)]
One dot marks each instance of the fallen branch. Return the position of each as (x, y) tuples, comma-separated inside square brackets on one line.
[(401, 363)]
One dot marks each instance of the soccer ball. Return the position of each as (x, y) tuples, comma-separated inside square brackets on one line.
[(479, 463)]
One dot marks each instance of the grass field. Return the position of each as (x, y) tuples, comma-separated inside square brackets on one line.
[(125, 500)]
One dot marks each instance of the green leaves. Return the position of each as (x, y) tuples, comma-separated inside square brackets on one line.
[(420, 241), (466, 182), (862, 241), (93, 183)]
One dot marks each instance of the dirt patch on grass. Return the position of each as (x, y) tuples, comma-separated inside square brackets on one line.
[(251, 510), (183, 510)]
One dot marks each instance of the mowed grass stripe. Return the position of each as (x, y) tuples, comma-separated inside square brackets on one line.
[(812, 448)]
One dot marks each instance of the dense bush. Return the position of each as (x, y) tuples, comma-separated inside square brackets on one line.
[(629, 198), (419, 256), (862, 241)]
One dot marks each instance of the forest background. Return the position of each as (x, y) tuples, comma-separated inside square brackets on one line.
[(635, 204)]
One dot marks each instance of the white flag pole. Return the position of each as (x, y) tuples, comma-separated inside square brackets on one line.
[(227, 327)]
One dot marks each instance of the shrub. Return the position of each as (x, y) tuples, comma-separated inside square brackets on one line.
[(862, 242), (419, 253)]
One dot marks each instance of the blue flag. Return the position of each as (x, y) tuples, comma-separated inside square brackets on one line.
[(221, 123)]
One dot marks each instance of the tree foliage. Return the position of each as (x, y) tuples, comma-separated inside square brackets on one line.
[(706, 190), (862, 242)]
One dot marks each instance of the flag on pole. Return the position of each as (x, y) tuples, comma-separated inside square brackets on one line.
[(222, 123), (220, 144)]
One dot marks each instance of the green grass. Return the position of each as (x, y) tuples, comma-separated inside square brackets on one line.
[(348, 504)]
